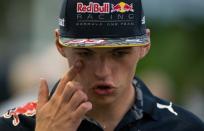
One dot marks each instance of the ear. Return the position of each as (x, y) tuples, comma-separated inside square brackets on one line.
[(148, 34), (60, 48), (144, 50)]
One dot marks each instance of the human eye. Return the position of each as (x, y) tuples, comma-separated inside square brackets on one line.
[(120, 53), (85, 54)]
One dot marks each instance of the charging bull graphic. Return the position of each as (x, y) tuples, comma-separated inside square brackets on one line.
[(122, 7), (28, 110)]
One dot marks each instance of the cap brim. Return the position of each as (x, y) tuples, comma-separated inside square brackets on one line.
[(104, 42)]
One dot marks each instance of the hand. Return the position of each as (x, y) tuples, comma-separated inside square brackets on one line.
[(66, 108)]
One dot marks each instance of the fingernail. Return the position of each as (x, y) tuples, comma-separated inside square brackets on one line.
[(41, 80)]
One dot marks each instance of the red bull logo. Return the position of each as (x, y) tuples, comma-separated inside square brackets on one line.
[(93, 8), (122, 7), (28, 110)]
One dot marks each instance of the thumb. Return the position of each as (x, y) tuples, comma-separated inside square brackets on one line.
[(43, 94)]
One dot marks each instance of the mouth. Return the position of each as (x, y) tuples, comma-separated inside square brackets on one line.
[(103, 89)]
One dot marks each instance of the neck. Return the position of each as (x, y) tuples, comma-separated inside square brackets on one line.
[(110, 115)]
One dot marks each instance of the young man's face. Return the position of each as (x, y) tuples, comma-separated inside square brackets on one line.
[(107, 73)]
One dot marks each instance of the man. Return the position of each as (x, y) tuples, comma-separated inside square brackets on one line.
[(102, 41)]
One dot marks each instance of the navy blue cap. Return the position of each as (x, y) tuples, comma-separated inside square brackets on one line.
[(102, 23)]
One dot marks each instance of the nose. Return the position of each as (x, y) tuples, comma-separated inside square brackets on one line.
[(102, 68)]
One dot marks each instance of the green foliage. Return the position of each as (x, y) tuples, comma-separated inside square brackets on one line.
[(179, 51)]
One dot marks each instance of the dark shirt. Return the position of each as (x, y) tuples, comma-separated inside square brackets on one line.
[(149, 113)]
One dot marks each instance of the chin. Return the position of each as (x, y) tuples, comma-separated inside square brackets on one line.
[(102, 100)]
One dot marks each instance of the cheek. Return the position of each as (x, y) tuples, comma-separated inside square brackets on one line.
[(71, 56), (71, 59), (127, 70), (130, 63)]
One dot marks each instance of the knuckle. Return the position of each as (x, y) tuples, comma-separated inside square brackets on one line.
[(82, 95), (84, 107), (69, 84), (77, 85), (79, 93), (67, 88), (73, 85), (53, 101), (72, 118)]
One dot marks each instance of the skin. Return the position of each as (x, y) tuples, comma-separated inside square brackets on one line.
[(76, 95)]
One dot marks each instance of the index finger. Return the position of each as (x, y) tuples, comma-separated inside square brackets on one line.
[(69, 76)]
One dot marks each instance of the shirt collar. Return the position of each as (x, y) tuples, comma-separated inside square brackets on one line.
[(148, 100), (144, 105)]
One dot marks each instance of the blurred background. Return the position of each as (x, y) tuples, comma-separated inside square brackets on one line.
[(173, 69)]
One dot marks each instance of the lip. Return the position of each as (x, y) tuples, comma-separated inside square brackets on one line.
[(103, 91)]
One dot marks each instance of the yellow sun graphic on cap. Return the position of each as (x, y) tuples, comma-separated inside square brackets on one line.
[(122, 5)]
